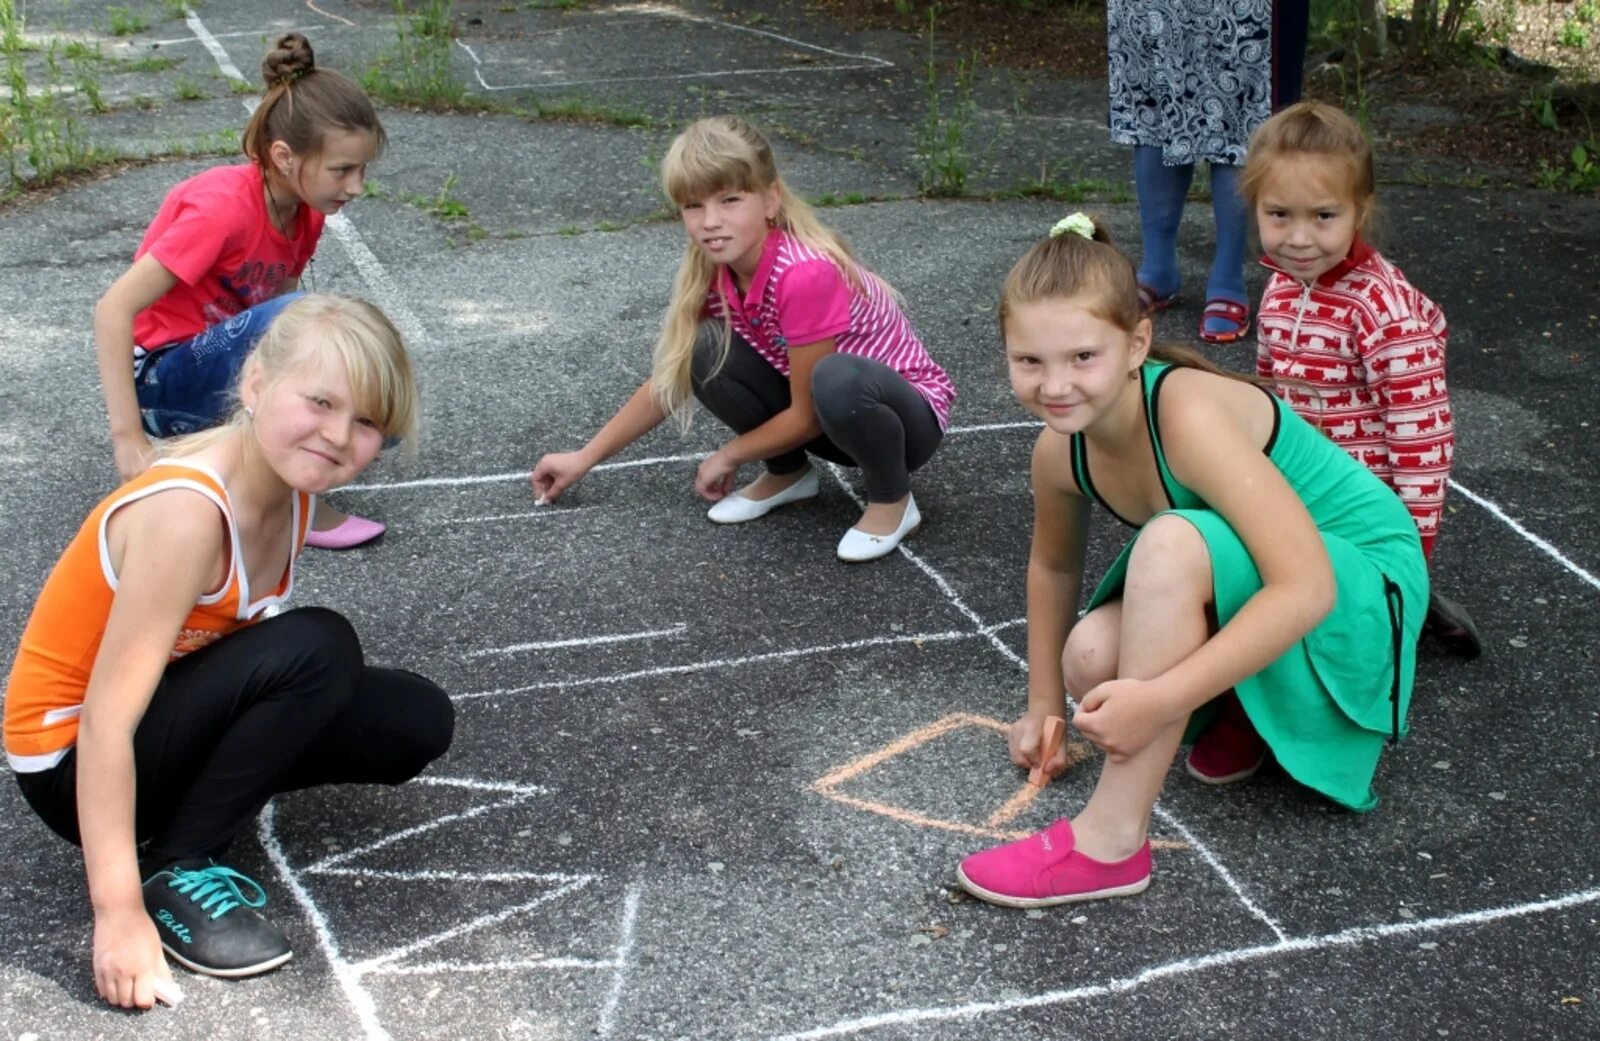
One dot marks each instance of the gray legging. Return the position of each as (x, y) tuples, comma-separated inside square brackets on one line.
[(871, 417)]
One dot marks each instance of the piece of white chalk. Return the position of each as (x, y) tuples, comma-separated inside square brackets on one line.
[(168, 992), (541, 501)]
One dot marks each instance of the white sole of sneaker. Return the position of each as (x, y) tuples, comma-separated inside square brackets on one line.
[(230, 974), (1003, 900)]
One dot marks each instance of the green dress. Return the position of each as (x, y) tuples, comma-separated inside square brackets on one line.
[(1326, 706)]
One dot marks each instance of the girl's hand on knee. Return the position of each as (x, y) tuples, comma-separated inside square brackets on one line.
[(715, 477), (555, 473), (128, 958), (1121, 717)]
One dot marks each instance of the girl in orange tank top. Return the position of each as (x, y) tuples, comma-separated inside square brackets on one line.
[(153, 706)]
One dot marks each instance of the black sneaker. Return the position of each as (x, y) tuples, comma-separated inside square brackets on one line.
[(209, 925), (1450, 624)]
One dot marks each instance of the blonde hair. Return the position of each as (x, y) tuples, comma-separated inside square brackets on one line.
[(1095, 275), (328, 329), (303, 103), (720, 154), (1312, 128)]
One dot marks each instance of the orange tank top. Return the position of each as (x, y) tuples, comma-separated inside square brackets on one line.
[(50, 676)]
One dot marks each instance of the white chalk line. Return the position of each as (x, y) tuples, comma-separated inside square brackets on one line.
[(1210, 858), (387, 295), (1187, 966), (349, 981), (450, 876), (854, 61), (520, 965), (481, 922), (256, 34), (949, 592), (659, 460), (1541, 544), (719, 663), (542, 512), (512, 475), (477, 785), (630, 917), (406, 833), (581, 641)]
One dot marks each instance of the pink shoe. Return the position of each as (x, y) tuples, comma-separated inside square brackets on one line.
[(1229, 749), (1043, 870), (354, 531)]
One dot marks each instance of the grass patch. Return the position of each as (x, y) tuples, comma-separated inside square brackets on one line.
[(188, 90), (42, 138), (415, 69), (125, 21)]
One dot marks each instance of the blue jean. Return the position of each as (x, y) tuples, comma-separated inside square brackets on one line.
[(187, 386)]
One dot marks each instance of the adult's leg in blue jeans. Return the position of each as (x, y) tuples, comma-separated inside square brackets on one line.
[(1161, 190), (188, 386), (1232, 219)]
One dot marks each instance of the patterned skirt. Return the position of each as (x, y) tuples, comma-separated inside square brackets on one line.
[(1190, 77)]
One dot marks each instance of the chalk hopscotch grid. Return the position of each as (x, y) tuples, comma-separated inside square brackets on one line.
[(656, 15), (348, 974)]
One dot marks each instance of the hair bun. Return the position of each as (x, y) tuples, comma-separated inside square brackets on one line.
[(289, 60)]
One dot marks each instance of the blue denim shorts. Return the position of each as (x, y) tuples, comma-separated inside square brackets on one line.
[(189, 385)]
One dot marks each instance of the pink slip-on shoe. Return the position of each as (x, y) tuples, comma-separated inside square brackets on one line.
[(1229, 749), (1044, 869), (354, 531)]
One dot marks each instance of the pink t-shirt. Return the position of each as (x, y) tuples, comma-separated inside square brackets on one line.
[(213, 233), (798, 296)]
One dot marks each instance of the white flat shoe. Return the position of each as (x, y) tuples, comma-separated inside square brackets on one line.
[(857, 546), (736, 509)]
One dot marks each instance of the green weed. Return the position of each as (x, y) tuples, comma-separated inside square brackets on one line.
[(943, 155), (41, 137), (416, 70), (125, 21), (188, 90)]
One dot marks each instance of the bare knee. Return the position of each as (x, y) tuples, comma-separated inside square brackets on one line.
[(1171, 561), (1090, 655)]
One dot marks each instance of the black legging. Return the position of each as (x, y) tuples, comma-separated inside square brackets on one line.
[(284, 704), (871, 416)]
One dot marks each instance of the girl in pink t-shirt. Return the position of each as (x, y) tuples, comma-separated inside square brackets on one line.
[(222, 258), (784, 336)]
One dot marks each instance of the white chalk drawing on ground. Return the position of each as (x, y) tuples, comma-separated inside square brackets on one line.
[(352, 974), (658, 14)]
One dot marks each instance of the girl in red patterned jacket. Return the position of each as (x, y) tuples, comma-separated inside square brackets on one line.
[(1351, 345)]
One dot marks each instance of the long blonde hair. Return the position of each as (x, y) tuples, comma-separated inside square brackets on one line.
[(719, 154), (328, 329)]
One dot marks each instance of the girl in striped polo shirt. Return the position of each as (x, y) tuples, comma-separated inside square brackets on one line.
[(785, 337)]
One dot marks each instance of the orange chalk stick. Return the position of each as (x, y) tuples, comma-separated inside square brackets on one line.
[(1055, 728)]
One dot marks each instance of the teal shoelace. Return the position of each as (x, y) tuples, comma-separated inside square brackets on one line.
[(216, 889)]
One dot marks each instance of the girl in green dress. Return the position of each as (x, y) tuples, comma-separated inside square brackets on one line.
[(1265, 561)]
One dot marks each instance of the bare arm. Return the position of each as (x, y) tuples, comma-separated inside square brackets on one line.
[(1055, 579), (791, 428), (1212, 450), (1055, 570), (170, 546), (558, 471), (140, 286)]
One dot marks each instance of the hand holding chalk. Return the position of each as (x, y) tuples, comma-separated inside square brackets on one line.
[(1055, 728)]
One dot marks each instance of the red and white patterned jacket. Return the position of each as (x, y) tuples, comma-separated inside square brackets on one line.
[(1359, 354)]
